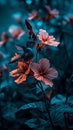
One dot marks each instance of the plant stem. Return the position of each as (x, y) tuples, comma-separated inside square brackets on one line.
[(66, 98), (44, 97), (36, 56), (66, 116), (68, 86)]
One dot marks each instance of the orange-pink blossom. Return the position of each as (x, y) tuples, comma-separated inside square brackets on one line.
[(21, 72), (47, 39)]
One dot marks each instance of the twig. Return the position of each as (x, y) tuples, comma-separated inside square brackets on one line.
[(66, 116), (44, 97)]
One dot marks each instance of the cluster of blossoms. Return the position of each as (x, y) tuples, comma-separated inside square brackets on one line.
[(40, 71), (51, 14)]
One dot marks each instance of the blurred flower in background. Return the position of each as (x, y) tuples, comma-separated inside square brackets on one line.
[(33, 15), (18, 17), (4, 39), (52, 13), (16, 31)]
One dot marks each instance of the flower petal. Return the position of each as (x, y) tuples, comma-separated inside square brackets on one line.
[(53, 43), (2, 43), (44, 64), (14, 73), (20, 79), (40, 37), (47, 82), (38, 77), (20, 34), (21, 65), (15, 57), (35, 67), (28, 70), (51, 38), (52, 73), (32, 15)]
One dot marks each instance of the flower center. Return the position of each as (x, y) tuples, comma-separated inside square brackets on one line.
[(42, 72), (44, 39)]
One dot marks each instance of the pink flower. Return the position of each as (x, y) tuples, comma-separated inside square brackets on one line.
[(43, 72), (16, 32), (53, 12), (4, 39), (46, 39), (33, 15)]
